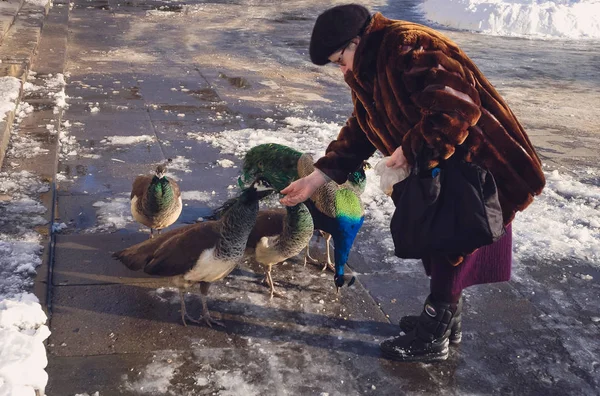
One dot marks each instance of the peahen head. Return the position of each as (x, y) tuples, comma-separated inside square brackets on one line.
[(161, 171), (258, 190), (276, 163)]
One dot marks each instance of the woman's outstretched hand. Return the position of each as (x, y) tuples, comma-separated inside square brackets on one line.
[(397, 159), (302, 189)]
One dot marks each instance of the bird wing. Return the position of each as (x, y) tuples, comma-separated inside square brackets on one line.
[(305, 165), (140, 186), (268, 223), (175, 187), (172, 253), (179, 254)]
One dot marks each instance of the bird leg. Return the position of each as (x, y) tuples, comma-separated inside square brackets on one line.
[(184, 315), (307, 255), (269, 281), (329, 263), (204, 286)]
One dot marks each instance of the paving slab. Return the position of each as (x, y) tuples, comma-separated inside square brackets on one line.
[(8, 12), (24, 35)]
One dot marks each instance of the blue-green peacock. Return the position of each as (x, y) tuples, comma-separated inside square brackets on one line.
[(337, 210)]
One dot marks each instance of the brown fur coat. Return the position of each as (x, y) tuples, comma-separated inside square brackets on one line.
[(412, 86)]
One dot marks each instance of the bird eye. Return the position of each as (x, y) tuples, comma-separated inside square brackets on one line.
[(260, 165)]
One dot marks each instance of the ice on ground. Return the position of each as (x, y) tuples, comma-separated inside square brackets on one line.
[(572, 19)]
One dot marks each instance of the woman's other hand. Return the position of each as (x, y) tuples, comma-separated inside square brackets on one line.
[(302, 189), (397, 159)]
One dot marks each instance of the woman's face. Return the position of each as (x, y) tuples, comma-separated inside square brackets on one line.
[(344, 57)]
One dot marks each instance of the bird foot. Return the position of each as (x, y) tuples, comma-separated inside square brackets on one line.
[(210, 321), (280, 294), (308, 258), (207, 319), (187, 318), (329, 265)]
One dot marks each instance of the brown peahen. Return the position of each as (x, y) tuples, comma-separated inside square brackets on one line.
[(155, 200)]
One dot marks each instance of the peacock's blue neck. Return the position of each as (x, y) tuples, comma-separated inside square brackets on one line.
[(343, 238)]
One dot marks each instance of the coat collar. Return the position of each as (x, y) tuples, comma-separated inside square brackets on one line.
[(365, 58)]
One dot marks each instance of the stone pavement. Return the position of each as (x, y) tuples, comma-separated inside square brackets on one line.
[(159, 71), (20, 33)]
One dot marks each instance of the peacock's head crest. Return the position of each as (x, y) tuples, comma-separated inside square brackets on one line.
[(160, 171), (359, 177), (275, 163)]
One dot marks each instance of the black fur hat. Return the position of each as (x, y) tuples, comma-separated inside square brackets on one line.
[(334, 28)]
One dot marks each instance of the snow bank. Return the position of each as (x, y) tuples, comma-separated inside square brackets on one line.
[(534, 18)]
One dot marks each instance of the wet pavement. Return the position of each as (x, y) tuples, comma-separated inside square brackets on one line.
[(165, 73)]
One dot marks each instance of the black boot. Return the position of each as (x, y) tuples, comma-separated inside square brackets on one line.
[(428, 340), (408, 323)]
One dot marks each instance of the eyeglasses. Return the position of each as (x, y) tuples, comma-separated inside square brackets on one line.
[(339, 59)]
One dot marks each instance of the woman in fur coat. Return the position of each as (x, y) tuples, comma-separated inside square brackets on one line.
[(412, 87)]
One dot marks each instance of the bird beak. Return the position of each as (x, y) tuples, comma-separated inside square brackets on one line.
[(263, 188)]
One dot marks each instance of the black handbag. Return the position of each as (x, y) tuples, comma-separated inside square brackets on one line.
[(449, 210)]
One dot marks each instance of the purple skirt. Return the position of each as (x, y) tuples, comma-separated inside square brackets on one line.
[(488, 264)]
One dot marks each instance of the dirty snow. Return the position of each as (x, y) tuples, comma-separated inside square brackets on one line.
[(202, 196), (180, 164), (22, 320), (156, 377), (572, 19), (9, 92), (225, 163), (41, 3), (126, 140), (112, 213)]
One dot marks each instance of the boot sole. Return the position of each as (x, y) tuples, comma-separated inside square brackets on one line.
[(454, 339), (429, 358)]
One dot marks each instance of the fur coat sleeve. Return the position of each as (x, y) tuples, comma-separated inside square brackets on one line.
[(345, 154)]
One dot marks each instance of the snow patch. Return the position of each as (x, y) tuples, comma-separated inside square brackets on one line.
[(10, 88), (201, 196), (127, 140)]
